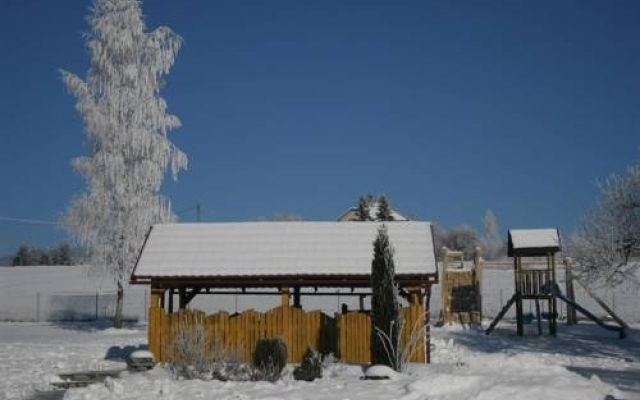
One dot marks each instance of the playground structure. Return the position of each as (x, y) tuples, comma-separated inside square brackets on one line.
[(461, 293), (538, 284)]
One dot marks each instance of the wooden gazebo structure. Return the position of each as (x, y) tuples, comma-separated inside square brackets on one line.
[(292, 259)]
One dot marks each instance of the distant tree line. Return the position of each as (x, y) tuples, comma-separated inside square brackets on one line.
[(466, 239), (26, 256)]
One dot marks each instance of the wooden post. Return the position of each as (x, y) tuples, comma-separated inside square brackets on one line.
[(554, 303), (444, 285), (182, 298), (568, 273), (170, 300), (427, 332), (296, 297), (416, 316), (517, 267), (539, 318), (284, 297), (477, 272), (154, 330)]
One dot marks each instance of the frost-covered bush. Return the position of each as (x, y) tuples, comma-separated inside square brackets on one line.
[(400, 353), (310, 368), (189, 356), (269, 359), (192, 359)]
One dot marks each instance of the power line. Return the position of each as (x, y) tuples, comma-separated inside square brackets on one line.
[(197, 209), (28, 221)]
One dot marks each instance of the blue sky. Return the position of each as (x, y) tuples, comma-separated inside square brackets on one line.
[(449, 107)]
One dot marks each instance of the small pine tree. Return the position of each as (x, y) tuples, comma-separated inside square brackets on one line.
[(362, 210), (63, 254), (385, 307), (384, 210), (310, 367), (23, 257), (45, 259)]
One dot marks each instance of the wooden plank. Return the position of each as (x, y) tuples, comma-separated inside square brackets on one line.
[(341, 338), (295, 333), (601, 303), (359, 337)]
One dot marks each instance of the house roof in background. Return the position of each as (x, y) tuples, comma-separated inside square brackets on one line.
[(272, 249), (351, 215)]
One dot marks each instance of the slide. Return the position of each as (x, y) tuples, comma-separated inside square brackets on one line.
[(501, 314), (587, 314)]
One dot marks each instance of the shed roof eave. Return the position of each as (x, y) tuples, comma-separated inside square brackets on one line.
[(279, 281), (534, 251)]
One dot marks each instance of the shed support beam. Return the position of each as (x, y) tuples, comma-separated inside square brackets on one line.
[(182, 298), (284, 297), (191, 294), (296, 297), (185, 296)]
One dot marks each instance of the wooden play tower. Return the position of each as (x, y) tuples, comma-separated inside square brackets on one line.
[(535, 283)]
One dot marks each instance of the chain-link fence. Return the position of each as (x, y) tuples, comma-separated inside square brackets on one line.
[(74, 306), (498, 287)]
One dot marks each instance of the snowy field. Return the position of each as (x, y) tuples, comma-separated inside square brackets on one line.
[(583, 363)]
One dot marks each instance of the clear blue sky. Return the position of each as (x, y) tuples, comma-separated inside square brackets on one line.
[(449, 107)]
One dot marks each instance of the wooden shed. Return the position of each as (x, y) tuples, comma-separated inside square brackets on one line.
[(292, 259)]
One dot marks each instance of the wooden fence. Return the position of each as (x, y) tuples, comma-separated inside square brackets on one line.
[(239, 333), (347, 336)]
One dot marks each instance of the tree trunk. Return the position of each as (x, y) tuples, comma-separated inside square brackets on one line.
[(117, 318)]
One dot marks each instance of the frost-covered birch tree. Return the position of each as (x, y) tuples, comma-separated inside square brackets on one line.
[(492, 247), (609, 235), (126, 125)]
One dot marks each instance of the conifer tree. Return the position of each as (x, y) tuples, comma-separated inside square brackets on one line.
[(62, 256), (23, 257), (45, 259), (126, 125), (362, 210), (384, 210), (385, 307)]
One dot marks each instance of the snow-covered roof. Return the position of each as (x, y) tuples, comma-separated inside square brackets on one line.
[(532, 240), (274, 249)]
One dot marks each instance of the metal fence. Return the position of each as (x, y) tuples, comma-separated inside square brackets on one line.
[(498, 287), (75, 306)]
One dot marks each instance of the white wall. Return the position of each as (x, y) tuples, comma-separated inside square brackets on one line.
[(63, 292), (55, 292)]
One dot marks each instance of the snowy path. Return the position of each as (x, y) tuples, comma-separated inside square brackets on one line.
[(583, 363)]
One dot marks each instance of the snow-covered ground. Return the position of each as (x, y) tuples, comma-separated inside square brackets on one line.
[(584, 362)]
